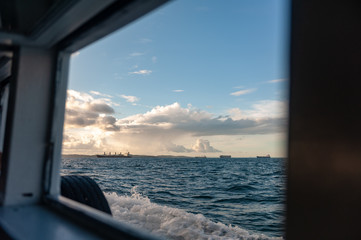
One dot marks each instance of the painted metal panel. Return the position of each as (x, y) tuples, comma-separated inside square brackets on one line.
[(53, 158), (26, 144), (36, 222)]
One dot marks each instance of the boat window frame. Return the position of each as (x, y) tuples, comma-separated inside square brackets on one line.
[(56, 56), (98, 27)]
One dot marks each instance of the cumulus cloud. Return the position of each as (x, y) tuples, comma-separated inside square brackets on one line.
[(266, 109), (100, 108), (242, 92), (74, 142), (131, 99), (174, 119), (84, 110), (203, 146), (170, 115), (159, 128), (277, 80), (142, 72), (178, 90), (171, 147), (85, 141), (108, 123)]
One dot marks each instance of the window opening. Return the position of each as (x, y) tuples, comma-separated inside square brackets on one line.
[(181, 118)]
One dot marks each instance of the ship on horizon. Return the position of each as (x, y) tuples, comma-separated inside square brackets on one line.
[(115, 155), (225, 156), (266, 156)]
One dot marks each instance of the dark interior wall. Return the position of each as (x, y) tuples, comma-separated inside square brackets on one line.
[(21, 16), (324, 181)]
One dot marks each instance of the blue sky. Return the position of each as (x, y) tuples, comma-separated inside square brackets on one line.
[(187, 66)]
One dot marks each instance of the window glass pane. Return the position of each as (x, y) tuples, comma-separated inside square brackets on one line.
[(5, 74), (193, 92)]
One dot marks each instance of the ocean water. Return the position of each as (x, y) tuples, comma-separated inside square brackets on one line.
[(191, 198)]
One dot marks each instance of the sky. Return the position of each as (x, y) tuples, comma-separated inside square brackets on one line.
[(192, 78)]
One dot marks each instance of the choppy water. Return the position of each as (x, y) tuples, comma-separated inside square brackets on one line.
[(189, 198)]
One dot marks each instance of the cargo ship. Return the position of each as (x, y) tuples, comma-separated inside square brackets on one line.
[(115, 155)]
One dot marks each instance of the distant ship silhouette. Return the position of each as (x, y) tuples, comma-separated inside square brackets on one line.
[(120, 155)]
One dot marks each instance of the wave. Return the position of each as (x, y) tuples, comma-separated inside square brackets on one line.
[(235, 188), (172, 223)]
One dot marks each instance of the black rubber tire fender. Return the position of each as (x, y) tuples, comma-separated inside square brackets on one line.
[(85, 190)]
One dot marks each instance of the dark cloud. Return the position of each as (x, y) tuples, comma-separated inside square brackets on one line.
[(79, 121), (108, 123), (71, 112), (100, 108), (83, 110)]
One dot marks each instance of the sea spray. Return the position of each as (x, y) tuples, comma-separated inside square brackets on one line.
[(244, 192), (172, 223)]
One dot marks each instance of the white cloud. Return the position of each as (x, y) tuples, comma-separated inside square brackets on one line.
[(178, 90), (131, 99), (171, 147), (136, 54), (169, 114), (265, 109), (175, 120), (203, 146), (79, 96), (84, 140), (90, 121), (142, 72), (242, 92), (100, 94), (277, 80)]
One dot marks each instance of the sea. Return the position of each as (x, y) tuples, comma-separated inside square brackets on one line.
[(192, 198)]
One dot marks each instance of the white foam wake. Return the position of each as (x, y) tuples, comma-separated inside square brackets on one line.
[(172, 223)]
